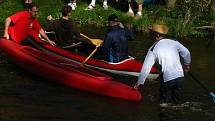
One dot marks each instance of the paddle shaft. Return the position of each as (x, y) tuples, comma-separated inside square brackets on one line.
[(89, 56), (85, 36), (204, 86), (73, 45), (200, 82)]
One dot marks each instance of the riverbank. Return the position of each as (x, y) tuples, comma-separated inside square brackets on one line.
[(179, 22)]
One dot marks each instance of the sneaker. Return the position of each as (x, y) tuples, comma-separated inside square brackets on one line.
[(75, 5), (137, 16), (90, 7), (129, 13), (72, 5), (105, 6)]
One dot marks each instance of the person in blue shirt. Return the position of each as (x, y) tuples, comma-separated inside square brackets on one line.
[(166, 53), (115, 44)]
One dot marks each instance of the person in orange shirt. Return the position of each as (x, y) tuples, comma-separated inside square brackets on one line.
[(21, 24)]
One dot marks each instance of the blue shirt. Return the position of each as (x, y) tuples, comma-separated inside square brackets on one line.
[(116, 43)]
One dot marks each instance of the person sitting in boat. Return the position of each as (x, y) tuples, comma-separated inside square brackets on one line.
[(115, 44), (21, 24), (65, 29)]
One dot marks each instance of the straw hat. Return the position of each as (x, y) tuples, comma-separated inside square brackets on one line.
[(159, 28)]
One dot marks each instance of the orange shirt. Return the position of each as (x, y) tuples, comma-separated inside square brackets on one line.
[(22, 25)]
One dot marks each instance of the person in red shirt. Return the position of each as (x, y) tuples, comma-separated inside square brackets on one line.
[(21, 24)]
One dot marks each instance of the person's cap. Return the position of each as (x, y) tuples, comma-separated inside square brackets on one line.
[(113, 17), (160, 28)]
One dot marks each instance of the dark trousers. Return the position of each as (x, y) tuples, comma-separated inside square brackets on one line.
[(171, 91)]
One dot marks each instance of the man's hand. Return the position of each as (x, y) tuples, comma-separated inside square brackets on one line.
[(49, 18), (51, 42), (136, 86), (6, 36), (186, 68)]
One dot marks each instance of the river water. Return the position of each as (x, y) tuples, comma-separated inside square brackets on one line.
[(26, 97)]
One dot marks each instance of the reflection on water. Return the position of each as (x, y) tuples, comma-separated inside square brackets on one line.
[(26, 97)]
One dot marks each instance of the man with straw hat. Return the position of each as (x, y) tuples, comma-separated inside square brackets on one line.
[(165, 55)]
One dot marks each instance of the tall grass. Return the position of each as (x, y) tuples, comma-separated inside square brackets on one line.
[(174, 18)]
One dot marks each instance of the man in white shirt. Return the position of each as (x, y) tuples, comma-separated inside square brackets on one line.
[(165, 55)]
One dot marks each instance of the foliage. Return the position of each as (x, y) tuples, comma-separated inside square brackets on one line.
[(181, 19), (7, 8)]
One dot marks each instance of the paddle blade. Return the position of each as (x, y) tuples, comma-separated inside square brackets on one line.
[(213, 96), (97, 42)]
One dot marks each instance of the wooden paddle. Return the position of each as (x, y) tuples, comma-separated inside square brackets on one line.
[(89, 56), (71, 46), (203, 85), (96, 42)]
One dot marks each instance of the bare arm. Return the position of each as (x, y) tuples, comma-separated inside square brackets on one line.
[(7, 24), (42, 32)]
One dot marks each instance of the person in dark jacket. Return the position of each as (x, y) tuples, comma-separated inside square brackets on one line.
[(116, 41), (65, 29)]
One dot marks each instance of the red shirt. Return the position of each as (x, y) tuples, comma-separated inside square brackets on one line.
[(22, 25)]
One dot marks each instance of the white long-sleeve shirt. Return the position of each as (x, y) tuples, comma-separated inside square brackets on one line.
[(166, 53)]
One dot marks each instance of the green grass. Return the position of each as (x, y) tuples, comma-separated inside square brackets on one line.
[(154, 13)]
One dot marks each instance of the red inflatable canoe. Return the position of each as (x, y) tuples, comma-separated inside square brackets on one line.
[(66, 72), (130, 66)]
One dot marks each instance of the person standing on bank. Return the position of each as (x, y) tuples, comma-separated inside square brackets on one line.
[(115, 44), (92, 5), (21, 24), (165, 54)]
